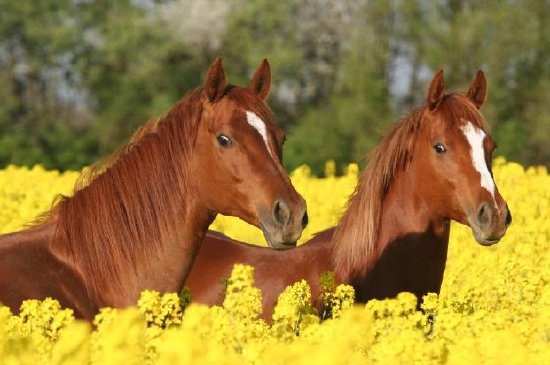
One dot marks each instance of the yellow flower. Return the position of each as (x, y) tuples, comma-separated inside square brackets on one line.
[(493, 308)]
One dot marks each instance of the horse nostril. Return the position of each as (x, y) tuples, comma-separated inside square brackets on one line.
[(484, 215), (281, 213), (508, 217), (305, 220)]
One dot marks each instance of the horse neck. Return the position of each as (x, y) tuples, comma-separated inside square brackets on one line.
[(178, 251), (406, 213), (135, 229), (411, 248)]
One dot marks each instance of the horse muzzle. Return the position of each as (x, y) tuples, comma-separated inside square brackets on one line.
[(284, 224), (490, 224)]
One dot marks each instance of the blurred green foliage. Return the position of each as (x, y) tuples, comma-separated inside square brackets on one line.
[(78, 77)]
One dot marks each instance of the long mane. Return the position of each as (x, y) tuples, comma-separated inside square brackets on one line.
[(120, 214), (357, 235)]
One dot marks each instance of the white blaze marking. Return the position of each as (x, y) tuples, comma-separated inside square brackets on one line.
[(259, 125), (475, 137)]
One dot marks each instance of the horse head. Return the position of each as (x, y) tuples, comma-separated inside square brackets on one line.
[(454, 151), (240, 149)]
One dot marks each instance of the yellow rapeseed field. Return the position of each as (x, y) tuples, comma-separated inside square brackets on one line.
[(494, 307)]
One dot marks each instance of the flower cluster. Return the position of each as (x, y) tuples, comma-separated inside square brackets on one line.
[(334, 297), (161, 310), (494, 305)]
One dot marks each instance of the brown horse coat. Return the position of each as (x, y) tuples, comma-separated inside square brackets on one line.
[(138, 223), (431, 168)]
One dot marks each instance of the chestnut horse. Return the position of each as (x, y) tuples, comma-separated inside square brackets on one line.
[(138, 224), (432, 167)]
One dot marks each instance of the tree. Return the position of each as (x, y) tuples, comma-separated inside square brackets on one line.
[(78, 77), (37, 84), (133, 68), (509, 41), (358, 108)]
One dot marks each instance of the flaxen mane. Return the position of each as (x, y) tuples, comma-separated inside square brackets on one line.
[(355, 242)]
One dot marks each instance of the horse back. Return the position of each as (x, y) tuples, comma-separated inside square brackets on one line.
[(273, 270)]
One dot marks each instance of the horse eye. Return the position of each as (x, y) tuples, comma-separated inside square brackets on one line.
[(224, 141), (439, 148)]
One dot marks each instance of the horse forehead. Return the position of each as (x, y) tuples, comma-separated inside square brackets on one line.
[(475, 137), (260, 126)]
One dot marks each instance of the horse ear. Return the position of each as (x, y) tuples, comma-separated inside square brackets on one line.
[(478, 90), (261, 81), (215, 81), (436, 91)]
